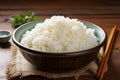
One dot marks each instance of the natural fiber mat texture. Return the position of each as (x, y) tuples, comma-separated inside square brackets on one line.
[(18, 66)]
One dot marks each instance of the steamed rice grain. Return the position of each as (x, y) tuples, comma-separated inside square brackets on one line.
[(60, 34)]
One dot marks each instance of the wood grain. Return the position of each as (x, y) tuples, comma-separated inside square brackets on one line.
[(104, 13)]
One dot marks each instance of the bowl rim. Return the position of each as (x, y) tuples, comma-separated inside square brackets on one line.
[(10, 33), (74, 53)]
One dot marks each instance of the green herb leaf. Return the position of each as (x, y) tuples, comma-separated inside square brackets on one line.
[(35, 18), (21, 18)]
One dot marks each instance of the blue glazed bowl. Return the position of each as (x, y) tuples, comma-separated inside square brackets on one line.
[(4, 36), (54, 62)]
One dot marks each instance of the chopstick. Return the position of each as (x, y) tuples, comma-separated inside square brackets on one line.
[(106, 56)]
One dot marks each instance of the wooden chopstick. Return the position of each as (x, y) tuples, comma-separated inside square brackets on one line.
[(108, 50)]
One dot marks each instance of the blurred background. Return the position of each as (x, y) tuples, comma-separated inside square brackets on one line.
[(61, 7), (104, 13)]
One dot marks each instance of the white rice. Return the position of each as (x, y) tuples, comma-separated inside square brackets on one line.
[(60, 34)]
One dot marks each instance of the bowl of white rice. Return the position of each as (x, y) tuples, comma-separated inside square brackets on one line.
[(59, 43)]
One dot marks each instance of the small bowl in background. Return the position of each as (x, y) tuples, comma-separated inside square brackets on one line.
[(4, 36)]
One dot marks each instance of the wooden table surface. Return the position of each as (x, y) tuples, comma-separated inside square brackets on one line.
[(104, 14)]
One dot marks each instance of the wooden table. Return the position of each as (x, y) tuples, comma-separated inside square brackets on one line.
[(105, 14)]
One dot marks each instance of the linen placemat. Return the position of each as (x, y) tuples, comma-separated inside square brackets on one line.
[(19, 66)]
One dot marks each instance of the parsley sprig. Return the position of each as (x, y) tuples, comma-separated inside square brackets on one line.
[(23, 18)]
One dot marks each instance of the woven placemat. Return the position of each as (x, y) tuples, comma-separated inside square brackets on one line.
[(18, 66)]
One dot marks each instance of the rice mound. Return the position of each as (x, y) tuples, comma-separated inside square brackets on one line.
[(60, 34)]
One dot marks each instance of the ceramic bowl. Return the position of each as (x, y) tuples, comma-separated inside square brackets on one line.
[(54, 62), (4, 36)]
